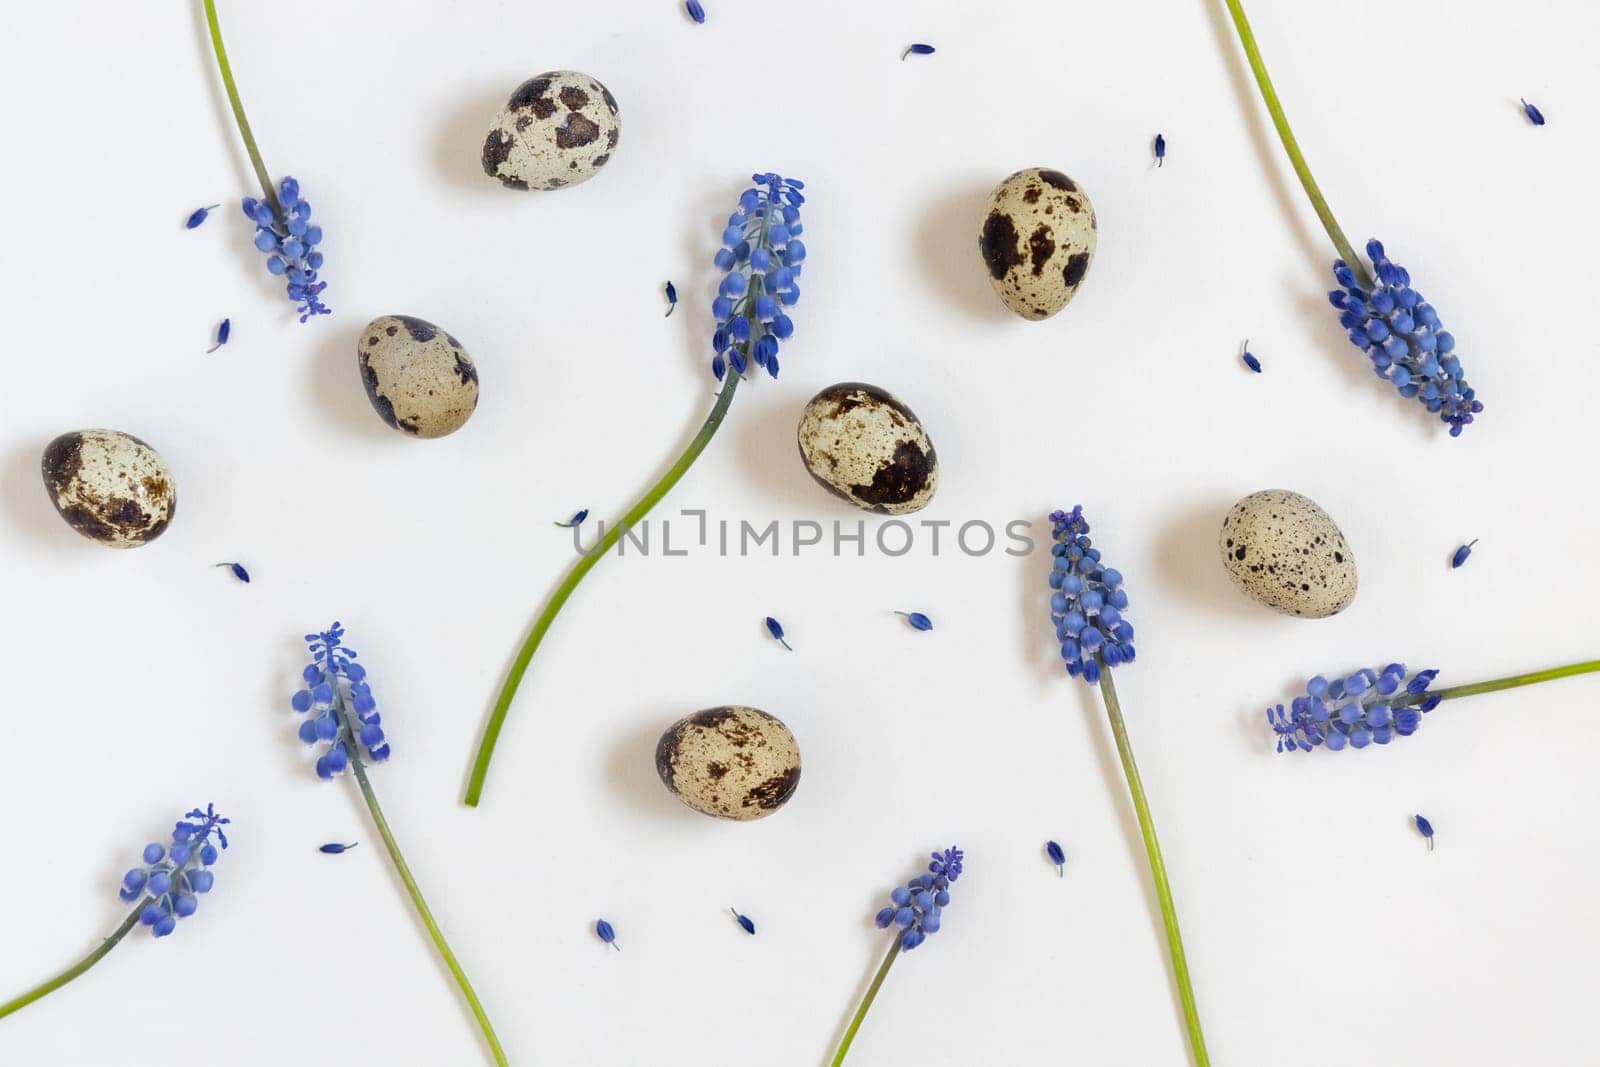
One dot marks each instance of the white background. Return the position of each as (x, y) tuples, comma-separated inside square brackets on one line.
[(1320, 929)]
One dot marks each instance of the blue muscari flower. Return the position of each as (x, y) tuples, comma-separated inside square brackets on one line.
[(1057, 856), (199, 215), (1357, 710), (1086, 601), (1400, 333), (1535, 116), (695, 10), (334, 682), (289, 239), (224, 328), (916, 50), (916, 907), (761, 256), (604, 931), (916, 620), (1161, 149), (171, 877), (744, 922), (1425, 828), (1461, 554), (775, 628)]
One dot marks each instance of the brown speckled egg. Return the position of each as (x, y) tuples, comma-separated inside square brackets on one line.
[(558, 129), (1037, 241), (732, 762), (1283, 551), (863, 445), (110, 486), (419, 378)]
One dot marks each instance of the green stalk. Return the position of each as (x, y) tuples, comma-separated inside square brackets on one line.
[(1497, 684), (586, 562), (76, 969), (262, 174), (422, 908), (866, 1000), (1275, 108), (1158, 869)]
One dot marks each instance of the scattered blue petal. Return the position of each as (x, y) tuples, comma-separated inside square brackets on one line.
[(1461, 554), (223, 330), (1057, 857), (917, 619), (333, 848), (672, 299), (744, 921), (198, 216), (1249, 358), (776, 630), (1425, 828), (1535, 116), (238, 571), (576, 520), (695, 10), (1161, 149), (603, 930), (917, 50)]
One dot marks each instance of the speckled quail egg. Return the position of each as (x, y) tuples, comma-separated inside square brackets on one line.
[(865, 446), (732, 762), (110, 486), (419, 378), (1037, 240), (558, 129), (1284, 551)]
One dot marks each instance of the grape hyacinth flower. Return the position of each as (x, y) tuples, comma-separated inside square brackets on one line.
[(343, 722), (915, 911), (1368, 707), (284, 230), (1087, 602), (761, 260), (1381, 313), (164, 888)]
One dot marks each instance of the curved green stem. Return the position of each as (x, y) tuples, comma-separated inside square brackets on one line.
[(262, 175), (866, 1000), (1497, 684), (1275, 108), (1158, 870), (519, 666), (76, 969), (422, 909)]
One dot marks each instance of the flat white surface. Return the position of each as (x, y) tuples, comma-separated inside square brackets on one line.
[(1319, 928)]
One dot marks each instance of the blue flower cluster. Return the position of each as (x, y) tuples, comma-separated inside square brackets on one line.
[(917, 906), (761, 256), (1356, 710), (1400, 333), (336, 686), (1086, 602), (172, 876), (290, 241)]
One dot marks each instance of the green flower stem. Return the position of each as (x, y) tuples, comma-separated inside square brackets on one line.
[(867, 999), (262, 174), (586, 562), (1511, 682), (76, 969), (1275, 108), (1158, 870), (422, 909)]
